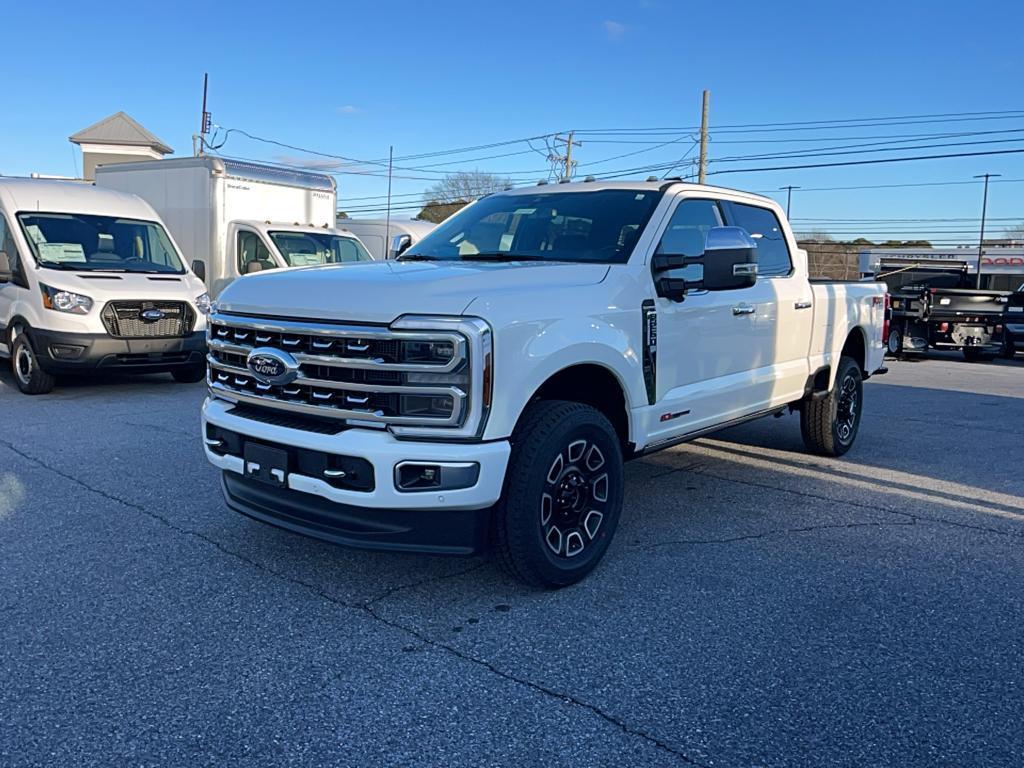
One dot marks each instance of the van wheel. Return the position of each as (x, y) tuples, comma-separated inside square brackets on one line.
[(189, 375), (829, 425), (562, 497), (30, 378)]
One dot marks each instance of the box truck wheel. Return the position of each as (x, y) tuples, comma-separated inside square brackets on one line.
[(829, 424), (30, 378), (190, 374), (562, 496)]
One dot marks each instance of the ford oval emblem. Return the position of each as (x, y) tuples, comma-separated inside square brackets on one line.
[(272, 366), (152, 315)]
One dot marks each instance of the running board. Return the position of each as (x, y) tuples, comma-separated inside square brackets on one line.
[(673, 441)]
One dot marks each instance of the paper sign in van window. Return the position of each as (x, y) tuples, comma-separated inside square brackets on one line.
[(35, 234), (64, 253)]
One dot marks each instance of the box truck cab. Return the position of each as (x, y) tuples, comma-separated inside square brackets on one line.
[(234, 218), (90, 280)]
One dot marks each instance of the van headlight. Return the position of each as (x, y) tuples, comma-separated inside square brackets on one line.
[(203, 303), (65, 301)]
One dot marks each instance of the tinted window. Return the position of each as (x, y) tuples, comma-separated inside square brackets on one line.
[(688, 228), (772, 252), (600, 226), (252, 250)]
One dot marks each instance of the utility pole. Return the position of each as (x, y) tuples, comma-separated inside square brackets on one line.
[(703, 168), (387, 224), (984, 207), (789, 196), (569, 163), (204, 121)]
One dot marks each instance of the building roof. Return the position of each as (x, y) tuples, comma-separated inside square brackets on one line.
[(120, 129)]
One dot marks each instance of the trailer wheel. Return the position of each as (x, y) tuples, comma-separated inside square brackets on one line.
[(562, 497), (972, 354), (895, 341), (829, 424), (30, 378)]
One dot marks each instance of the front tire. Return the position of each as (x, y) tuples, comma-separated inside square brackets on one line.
[(189, 375), (562, 497), (28, 375), (829, 425)]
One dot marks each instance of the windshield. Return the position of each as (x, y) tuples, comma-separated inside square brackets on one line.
[(303, 249), (600, 226), (82, 241)]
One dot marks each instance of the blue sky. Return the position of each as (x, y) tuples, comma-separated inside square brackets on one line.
[(351, 78)]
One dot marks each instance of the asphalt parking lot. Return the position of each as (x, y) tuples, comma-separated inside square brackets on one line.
[(759, 607)]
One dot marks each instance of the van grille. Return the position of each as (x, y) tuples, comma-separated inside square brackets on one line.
[(128, 319)]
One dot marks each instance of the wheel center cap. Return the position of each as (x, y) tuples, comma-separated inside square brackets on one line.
[(572, 492)]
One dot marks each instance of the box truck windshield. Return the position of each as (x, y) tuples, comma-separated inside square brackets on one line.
[(301, 249), (81, 241)]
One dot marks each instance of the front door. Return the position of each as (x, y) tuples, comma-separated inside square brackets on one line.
[(714, 346)]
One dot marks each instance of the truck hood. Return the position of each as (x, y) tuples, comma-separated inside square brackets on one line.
[(380, 292)]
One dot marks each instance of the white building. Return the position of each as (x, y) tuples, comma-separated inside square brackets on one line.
[(116, 139)]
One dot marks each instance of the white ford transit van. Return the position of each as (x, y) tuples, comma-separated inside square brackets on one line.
[(90, 280)]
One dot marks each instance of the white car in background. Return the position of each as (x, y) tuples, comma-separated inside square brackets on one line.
[(386, 240)]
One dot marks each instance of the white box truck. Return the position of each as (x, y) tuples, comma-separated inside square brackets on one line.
[(234, 218)]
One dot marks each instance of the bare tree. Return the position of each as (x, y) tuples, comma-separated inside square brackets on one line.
[(456, 190), (1015, 232)]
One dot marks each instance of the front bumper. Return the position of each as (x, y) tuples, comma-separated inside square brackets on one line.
[(444, 521), (68, 352)]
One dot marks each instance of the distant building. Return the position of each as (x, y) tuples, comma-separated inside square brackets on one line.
[(116, 139)]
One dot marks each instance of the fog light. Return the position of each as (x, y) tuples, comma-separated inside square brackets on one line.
[(435, 406), (66, 351), (442, 476)]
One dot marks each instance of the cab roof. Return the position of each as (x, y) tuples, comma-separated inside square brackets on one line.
[(674, 185), (51, 196)]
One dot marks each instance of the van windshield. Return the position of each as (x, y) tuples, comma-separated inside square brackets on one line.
[(82, 241), (599, 226), (303, 249)]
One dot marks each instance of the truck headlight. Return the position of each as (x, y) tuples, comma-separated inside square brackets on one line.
[(65, 301), (203, 303)]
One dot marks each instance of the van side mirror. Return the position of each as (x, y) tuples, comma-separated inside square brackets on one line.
[(399, 245), (199, 269), (253, 267), (729, 262), (5, 267)]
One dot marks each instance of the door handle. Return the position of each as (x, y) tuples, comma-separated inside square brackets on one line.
[(743, 309), (802, 305)]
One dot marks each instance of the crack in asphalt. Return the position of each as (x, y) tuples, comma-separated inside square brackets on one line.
[(773, 532), (851, 503), (367, 607)]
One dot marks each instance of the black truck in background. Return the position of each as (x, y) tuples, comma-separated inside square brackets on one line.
[(938, 307), (1013, 323)]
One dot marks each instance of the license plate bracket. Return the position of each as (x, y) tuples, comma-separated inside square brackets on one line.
[(266, 464)]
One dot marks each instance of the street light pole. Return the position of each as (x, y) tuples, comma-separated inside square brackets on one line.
[(789, 196), (984, 207)]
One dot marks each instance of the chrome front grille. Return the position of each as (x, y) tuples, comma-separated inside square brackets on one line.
[(352, 372)]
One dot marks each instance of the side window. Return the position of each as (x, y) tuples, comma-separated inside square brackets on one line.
[(251, 249), (773, 257), (688, 228), (8, 246)]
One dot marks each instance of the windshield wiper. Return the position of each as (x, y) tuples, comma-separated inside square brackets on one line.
[(415, 257), (501, 256)]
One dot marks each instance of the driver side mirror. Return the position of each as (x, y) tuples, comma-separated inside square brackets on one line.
[(253, 267), (399, 245), (729, 262), (5, 267), (199, 269)]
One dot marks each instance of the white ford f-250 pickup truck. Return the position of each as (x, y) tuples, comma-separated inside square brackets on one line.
[(486, 388)]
